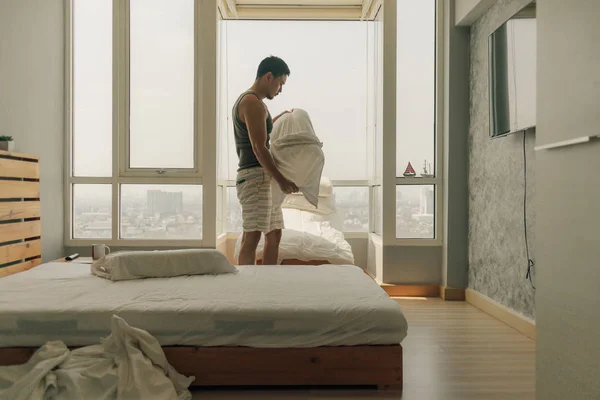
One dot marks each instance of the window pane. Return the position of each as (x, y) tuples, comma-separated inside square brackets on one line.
[(92, 88), (161, 212), (161, 84), (353, 205), (234, 211), (333, 90), (377, 207), (92, 211), (415, 211), (220, 214), (415, 85)]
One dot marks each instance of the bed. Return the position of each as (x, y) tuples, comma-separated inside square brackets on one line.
[(302, 325)]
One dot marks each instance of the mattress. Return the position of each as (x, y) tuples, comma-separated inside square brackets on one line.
[(260, 306)]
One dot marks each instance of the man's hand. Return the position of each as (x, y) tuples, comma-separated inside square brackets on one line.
[(283, 113), (287, 186)]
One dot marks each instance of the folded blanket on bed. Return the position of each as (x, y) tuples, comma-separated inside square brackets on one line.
[(161, 264), (128, 364)]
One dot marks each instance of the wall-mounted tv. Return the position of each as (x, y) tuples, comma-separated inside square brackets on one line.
[(512, 74)]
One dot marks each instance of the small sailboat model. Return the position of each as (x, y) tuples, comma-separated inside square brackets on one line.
[(426, 173), (409, 172)]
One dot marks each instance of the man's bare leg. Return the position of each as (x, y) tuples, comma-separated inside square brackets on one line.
[(248, 249), (271, 253)]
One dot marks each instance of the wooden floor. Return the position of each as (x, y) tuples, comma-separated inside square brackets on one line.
[(453, 352)]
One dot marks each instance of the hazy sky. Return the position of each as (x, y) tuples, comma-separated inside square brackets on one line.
[(329, 64)]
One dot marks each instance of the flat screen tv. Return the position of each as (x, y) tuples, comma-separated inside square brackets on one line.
[(512, 74)]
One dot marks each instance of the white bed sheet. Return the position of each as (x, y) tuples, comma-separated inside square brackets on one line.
[(260, 306)]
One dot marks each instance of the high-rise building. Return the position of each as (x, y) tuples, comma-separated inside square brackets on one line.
[(158, 201), (427, 201)]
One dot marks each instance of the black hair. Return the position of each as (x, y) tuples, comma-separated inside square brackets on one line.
[(274, 65)]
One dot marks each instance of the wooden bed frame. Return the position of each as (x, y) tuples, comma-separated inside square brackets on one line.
[(20, 250), (293, 261)]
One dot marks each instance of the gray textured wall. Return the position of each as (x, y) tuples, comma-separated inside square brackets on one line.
[(32, 100), (497, 257)]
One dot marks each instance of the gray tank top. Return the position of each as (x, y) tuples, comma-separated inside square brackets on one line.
[(243, 146)]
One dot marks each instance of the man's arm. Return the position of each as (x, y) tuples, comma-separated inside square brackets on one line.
[(254, 115)]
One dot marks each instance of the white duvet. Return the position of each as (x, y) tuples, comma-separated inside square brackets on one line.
[(128, 364), (328, 246), (260, 306)]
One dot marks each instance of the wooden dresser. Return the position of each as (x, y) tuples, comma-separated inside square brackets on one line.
[(20, 222)]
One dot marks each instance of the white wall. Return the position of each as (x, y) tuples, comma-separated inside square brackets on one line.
[(568, 201), (32, 100)]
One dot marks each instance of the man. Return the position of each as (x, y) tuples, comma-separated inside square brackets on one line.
[(252, 125)]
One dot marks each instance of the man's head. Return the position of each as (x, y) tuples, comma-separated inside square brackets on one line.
[(271, 76)]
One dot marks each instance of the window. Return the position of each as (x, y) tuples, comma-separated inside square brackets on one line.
[(92, 211), (161, 212), (161, 69), (415, 85), (353, 205), (415, 211), (134, 161), (338, 110), (417, 194), (328, 63), (377, 208), (234, 211), (92, 66), (352, 210)]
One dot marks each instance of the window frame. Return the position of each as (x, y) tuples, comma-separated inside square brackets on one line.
[(203, 173), (122, 104), (389, 141)]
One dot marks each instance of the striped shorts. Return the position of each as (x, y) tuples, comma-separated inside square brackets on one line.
[(253, 186)]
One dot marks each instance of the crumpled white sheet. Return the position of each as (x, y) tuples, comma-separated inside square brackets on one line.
[(329, 246), (298, 154), (128, 364)]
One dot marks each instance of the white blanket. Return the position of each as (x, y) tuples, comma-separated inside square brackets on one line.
[(128, 364), (298, 154)]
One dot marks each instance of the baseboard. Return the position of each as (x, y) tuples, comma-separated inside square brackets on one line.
[(452, 294), (411, 290), (407, 290), (511, 318)]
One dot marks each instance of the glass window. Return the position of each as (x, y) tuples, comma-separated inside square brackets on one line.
[(234, 211), (161, 84), (415, 133), (92, 88), (161, 211), (328, 63), (377, 208), (353, 204), (415, 211), (92, 211)]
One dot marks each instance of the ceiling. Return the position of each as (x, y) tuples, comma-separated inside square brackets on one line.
[(299, 9)]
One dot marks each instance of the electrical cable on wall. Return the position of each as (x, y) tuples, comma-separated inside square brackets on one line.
[(530, 263)]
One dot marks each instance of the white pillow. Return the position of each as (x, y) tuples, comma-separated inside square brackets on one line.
[(126, 265), (325, 206)]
